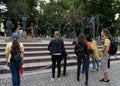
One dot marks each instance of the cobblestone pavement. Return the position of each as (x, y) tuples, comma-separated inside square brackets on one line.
[(43, 79)]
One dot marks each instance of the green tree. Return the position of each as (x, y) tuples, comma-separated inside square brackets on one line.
[(66, 10), (18, 7)]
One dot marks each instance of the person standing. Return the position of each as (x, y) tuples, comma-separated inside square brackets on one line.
[(56, 47), (89, 46), (81, 50), (15, 62), (95, 54), (105, 56)]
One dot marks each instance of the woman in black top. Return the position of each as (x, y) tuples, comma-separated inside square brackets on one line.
[(81, 51), (56, 47)]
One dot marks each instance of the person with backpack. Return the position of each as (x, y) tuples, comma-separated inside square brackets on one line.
[(105, 55), (81, 50), (56, 48), (112, 50), (14, 57)]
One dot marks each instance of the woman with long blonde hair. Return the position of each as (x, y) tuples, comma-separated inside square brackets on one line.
[(56, 47)]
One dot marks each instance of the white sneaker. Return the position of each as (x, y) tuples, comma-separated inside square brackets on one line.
[(58, 79), (52, 79)]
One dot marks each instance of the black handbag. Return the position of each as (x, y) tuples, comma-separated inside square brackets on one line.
[(64, 54)]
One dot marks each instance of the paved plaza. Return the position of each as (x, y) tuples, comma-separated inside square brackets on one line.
[(43, 78)]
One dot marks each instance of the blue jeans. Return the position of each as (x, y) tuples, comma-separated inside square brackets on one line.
[(95, 62), (14, 69), (85, 61), (83, 66), (88, 64)]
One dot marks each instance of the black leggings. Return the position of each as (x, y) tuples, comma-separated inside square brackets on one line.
[(86, 64), (56, 58)]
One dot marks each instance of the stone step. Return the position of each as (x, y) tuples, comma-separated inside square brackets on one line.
[(6, 75), (29, 59), (40, 48), (45, 65), (36, 53), (47, 58), (27, 44), (41, 53), (37, 56), (33, 72), (35, 59), (34, 44), (35, 66)]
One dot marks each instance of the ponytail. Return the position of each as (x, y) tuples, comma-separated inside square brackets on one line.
[(15, 45)]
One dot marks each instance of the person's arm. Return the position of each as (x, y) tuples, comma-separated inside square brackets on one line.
[(75, 49), (22, 51), (22, 54), (107, 46), (7, 56), (7, 53), (63, 46), (50, 46), (105, 51)]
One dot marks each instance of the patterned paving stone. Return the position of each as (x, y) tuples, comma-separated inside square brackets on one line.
[(43, 79)]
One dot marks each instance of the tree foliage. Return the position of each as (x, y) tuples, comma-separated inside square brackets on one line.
[(66, 10), (18, 7)]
